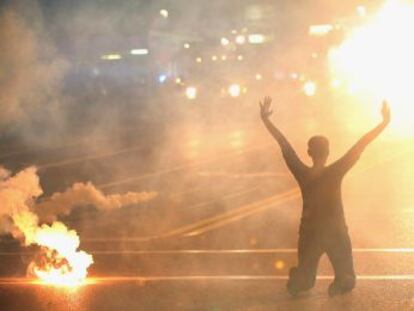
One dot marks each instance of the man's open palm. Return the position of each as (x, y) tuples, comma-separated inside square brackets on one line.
[(265, 108), (385, 111)]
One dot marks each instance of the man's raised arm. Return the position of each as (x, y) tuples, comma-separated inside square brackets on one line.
[(350, 158), (289, 154)]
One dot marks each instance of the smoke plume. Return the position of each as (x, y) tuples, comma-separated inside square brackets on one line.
[(86, 194), (31, 71), (18, 194), (61, 262)]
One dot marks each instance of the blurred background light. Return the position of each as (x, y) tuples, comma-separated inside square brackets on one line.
[(320, 30), (361, 10), (111, 57), (256, 39), (224, 41), (139, 52), (335, 83), (164, 13), (279, 264), (162, 78), (234, 90), (309, 88), (240, 39), (191, 92)]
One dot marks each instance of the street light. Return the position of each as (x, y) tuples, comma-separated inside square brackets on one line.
[(139, 52), (256, 39), (111, 57), (234, 90), (224, 41), (164, 13), (240, 39), (309, 88), (191, 92)]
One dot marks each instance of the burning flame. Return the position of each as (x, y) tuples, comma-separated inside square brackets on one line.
[(59, 261)]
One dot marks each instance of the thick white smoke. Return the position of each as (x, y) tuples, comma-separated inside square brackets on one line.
[(61, 261), (18, 194), (83, 194), (31, 71)]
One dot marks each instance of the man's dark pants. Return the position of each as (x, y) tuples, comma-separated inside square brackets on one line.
[(314, 241)]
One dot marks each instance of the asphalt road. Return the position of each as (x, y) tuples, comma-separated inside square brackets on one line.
[(222, 233), (206, 294)]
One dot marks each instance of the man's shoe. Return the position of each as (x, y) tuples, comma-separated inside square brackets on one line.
[(340, 288), (334, 290)]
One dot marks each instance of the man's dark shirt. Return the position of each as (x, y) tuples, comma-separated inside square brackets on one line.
[(321, 189)]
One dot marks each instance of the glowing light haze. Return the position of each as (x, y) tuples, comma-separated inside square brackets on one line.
[(377, 60)]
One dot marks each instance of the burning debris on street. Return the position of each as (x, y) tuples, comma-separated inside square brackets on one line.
[(58, 262)]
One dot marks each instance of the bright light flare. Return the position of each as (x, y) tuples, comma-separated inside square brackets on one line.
[(234, 90), (164, 13), (224, 41), (139, 52), (240, 39), (309, 88), (320, 30), (59, 263), (336, 83), (279, 264), (162, 78), (378, 59), (294, 76), (256, 38), (111, 57), (361, 10), (191, 92)]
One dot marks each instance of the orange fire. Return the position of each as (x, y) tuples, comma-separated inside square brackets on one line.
[(59, 262)]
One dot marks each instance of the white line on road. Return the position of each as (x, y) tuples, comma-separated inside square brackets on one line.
[(246, 251), (143, 279), (221, 251), (378, 277)]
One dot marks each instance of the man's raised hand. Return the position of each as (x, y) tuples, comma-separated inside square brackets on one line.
[(265, 108), (386, 113)]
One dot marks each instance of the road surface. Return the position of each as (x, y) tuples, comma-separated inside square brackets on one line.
[(222, 233)]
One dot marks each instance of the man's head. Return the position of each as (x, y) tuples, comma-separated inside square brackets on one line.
[(318, 149)]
